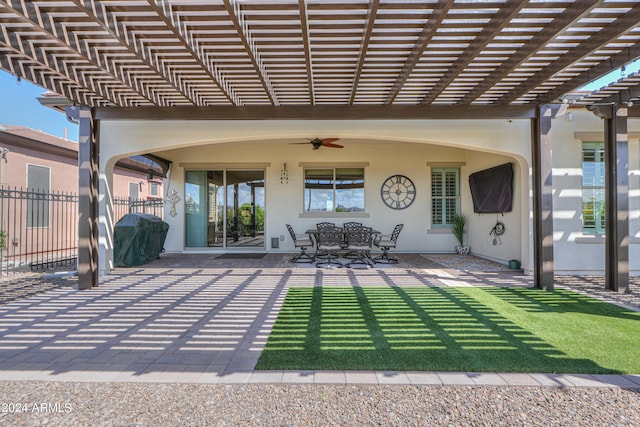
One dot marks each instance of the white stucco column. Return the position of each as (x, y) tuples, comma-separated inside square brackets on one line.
[(106, 217)]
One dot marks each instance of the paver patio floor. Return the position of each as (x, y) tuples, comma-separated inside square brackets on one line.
[(192, 318)]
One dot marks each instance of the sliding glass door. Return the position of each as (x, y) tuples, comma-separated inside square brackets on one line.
[(224, 208)]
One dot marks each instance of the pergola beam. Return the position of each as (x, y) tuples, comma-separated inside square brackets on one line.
[(600, 39), (440, 10), (172, 21), (572, 14), (109, 22), (233, 8), (372, 12), (501, 19), (44, 23), (104, 63), (20, 64), (623, 96), (304, 27), (319, 112), (624, 57)]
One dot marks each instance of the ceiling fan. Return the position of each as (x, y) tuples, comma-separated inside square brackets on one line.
[(327, 142)]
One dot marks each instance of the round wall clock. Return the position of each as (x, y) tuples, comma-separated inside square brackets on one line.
[(398, 192)]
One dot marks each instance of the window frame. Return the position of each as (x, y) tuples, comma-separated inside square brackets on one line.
[(154, 186), (45, 219), (138, 191), (442, 170), (599, 226), (334, 190)]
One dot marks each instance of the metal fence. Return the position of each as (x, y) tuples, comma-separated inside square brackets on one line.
[(38, 230), (127, 205)]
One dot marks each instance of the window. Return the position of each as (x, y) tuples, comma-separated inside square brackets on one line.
[(334, 190), (134, 190), (593, 187), (38, 181), (154, 189), (445, 196)]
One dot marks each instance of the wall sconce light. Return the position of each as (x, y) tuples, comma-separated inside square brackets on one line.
[(3, 156), (569, 117), (284, 175)]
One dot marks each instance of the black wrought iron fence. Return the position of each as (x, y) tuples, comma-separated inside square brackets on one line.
[(38, 230), (126, 205)]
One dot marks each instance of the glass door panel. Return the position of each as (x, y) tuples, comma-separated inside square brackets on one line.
[(245, 208), (215, 230), (195, 206), (224, 209)]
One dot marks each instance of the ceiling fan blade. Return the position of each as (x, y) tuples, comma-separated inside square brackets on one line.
[(328, 144), (317, 143)]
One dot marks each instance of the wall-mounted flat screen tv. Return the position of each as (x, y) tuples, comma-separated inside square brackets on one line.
[(492, 189)]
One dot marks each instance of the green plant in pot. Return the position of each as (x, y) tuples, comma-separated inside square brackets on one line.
[(459, 223)]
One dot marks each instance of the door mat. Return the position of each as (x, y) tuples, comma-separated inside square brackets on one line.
[(240, 256)]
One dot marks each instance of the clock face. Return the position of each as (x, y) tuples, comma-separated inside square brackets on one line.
[(398, 192)]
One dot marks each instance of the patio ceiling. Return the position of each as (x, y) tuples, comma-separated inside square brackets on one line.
[(312, 53)]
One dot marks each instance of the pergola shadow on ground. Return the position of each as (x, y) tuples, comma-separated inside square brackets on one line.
[(195, 318)]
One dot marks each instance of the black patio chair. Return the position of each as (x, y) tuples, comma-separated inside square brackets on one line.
[(348, 227), (385, 243), (302, 241), (359, 241), (329, 243)]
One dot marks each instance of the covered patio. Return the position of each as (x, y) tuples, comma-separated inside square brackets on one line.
[(168, 78)]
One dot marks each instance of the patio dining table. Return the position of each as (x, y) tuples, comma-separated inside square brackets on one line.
[(314, 231), (313, 234)]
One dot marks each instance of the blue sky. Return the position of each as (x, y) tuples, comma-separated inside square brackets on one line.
[(19, 106)]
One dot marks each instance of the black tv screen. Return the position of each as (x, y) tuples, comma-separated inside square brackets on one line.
[(492, 189)]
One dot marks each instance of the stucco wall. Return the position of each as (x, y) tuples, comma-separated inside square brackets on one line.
[(394, 147), (575, 251), (63, 170), (285, 201), (389, 147)]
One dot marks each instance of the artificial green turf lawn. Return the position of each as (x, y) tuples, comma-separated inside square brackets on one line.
[(475, 329)]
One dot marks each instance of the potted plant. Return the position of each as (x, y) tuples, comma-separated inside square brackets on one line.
[(459, 223)]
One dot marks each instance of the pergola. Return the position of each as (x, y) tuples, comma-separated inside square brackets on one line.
[(337, 59)]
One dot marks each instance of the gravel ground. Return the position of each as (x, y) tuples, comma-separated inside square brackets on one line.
[(594, 286), (22, 285), (125, 404)]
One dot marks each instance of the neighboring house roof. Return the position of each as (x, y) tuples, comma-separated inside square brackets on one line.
[(29, 138), (25, 137)]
